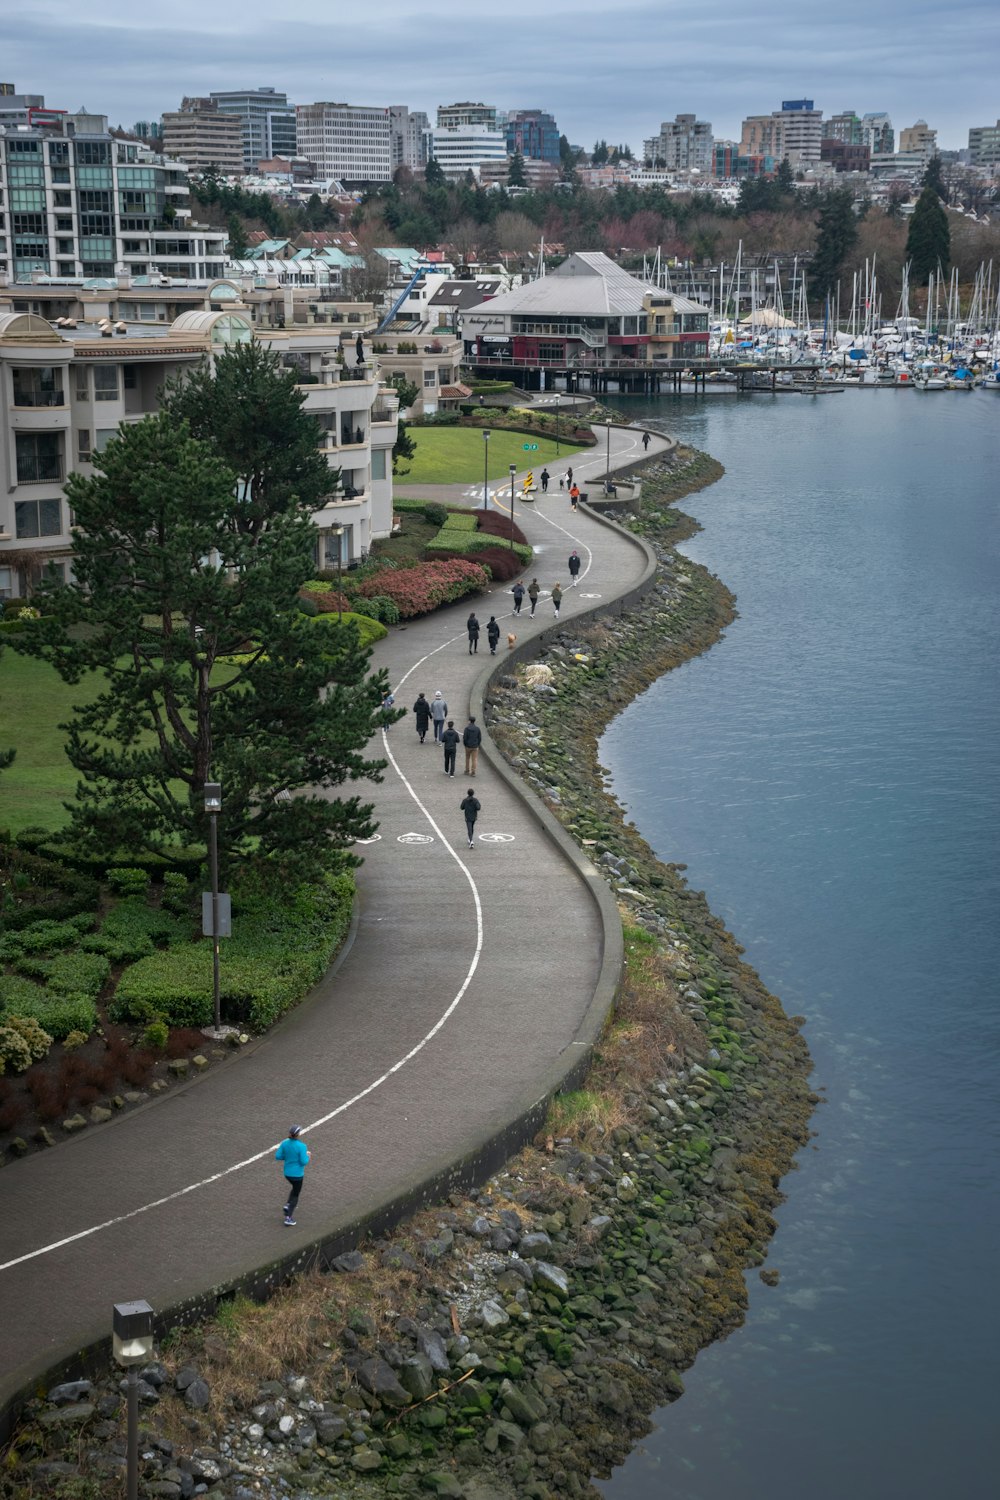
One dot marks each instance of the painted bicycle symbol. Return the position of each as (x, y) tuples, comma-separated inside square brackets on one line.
[(496, 838), (414, 838), (375, 838)]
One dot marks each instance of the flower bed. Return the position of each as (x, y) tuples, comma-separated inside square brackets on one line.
[(418, 590)]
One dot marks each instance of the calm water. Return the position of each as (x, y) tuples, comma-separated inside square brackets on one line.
[(829, 773)]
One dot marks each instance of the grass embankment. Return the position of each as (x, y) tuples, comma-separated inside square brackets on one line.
[(34, 701), (454, 455)]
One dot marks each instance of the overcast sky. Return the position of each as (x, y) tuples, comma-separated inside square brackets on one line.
[(611, 68)]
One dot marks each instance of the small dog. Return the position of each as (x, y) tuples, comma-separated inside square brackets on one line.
[(511, 638)]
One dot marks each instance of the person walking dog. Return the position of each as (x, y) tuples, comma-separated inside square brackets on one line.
[(472, 738), (295, 1155), (574, 567), (493, 634), (439, 712), (422, 709), (556, 598), (471, 807), (451, 739)]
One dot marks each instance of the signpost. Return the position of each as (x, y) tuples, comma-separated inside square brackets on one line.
[(530, 447)]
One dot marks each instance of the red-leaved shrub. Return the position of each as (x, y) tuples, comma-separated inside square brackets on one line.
[(495, 524), (328, 602), (501, 561), (417, 591), (184, 1040)]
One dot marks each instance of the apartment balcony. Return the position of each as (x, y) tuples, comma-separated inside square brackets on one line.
[(40, 418)]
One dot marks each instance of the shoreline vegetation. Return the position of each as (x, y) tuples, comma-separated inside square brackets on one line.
[(511, 1343)]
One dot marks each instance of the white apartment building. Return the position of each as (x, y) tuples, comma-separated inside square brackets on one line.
[(459, 149), (450, 115), (684, 144), (411, 131), (65, 390), (792, 133), (347, 142), (984, 145), (199, 136), (75, 201)]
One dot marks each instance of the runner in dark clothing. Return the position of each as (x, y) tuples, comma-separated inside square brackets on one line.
[(470, 806), (518, 592), (450, 739)]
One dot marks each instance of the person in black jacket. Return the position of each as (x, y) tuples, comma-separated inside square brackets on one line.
[(472, 738), (574, 566), (518, 592), (472, 626), (422, 709), (470, 806), (493, 634), (450, 739)]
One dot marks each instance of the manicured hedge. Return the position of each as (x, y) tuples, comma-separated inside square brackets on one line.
[(473, 542), (282, 944), (133, 930), (56, 1013), (418, 590), (460, 520), (53, 892), (369, 630)]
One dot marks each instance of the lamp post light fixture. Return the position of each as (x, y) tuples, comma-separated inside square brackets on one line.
[(607, 460), (132, 1343), (513, 471), (486, 467), (338, 532)]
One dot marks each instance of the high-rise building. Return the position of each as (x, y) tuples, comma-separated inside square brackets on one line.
[(984, 145), (411, 131), (17, 109), (202, 137), (791, 134), (844, 127), (533, 134), (919, 140), (349, 142), (449, 116), (877, 132), (84, 203), (267, 119), (459, 149), (683, 144)]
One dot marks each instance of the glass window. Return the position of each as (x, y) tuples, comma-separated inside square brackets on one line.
[(38, 385), (28, 198), (62, 200), (104, 436), (106, 383), (59, 151), (39, 461), (130, 377), (60, 174), (25, 174), (93, 177), (37, 517), (93, 153), (378, 463), (82, 385), (64, 224), (83, 445), (6, 583), (430, 378)]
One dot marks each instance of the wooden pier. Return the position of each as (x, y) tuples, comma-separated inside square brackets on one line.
[(639, 378)]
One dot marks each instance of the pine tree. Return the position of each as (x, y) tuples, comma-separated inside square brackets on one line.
[(934, 178), (836, 236), (928, 243), (236, 231), (516, 175), (186, 580), (434, 174)]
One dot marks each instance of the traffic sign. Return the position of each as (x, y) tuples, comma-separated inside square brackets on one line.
[(531, 447), (529, 481)]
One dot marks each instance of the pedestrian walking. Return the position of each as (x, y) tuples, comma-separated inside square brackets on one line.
[(533, 593), (545, 481), (472, 738), (422, 709), (556, 598), (472, 626), (574, 567), (471, 807), (439, 712), (645, 440), (295, 1154), (574, 495), (569, 478), (493, 634), (388, 711), (450, 739), (518, 592)]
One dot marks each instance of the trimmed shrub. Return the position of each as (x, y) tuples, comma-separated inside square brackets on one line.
[(61, 1015), (431, 510), (369, 630), (133, 929), (69, 973), (156, 1035), (41, 890), (471, 542), (306, 605), (22, 1042), (128, 881), (281, 945), (44, 936), (492, 523), (378, 607), (503, 563), (417, 591), (460, 520)]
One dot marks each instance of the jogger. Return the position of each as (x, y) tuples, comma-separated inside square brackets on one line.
[(295, 1155)]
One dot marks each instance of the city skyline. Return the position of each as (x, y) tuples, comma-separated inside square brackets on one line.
[(568, 59)]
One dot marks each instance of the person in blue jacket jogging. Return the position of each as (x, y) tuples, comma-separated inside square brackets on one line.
[(295, 1154)]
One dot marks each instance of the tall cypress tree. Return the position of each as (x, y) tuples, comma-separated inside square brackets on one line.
[(836, 236), (928, 243)]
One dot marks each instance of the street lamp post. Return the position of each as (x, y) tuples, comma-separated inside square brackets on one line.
[(607, 460), (338, 532), (513, 471), (213, 806), (132, 1343), (486, 467), (557, 429)]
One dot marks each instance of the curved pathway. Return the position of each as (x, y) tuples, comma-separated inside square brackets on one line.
[(470, 981)]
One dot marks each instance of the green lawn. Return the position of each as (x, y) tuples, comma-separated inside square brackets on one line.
[(34, 700), (454, 455)]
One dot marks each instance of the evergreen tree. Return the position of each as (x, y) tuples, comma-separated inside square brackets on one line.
[(836, 236), (434, 174), (934, 178), (186, 577), (928, 243), (784, 178), (599, 155), (516, 174), (237, 237)]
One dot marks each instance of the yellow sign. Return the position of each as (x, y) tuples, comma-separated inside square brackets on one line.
[(529, 481)]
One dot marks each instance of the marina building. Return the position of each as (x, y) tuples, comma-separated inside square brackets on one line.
[(78, 360), (267, 122), (200, 136), (349, 143), (684, 144), (81, 202)]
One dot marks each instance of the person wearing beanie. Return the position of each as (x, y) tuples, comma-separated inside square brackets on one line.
[(439, 714), (295, 1154)]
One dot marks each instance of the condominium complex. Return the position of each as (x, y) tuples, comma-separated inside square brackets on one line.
[(450, 116), (202, 137), (533, 134), (684, 144), (919, 140), (984, 145), (267, 121), (877, 132), (347, 142), (78, 361), (76, 201), (467, 137), (792, 133), (411, 132)]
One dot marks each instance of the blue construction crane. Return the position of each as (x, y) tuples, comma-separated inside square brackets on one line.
[(417, 276)]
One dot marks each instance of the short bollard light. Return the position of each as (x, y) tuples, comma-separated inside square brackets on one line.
[(132, 1342)]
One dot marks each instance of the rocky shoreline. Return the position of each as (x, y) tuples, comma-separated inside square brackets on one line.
[(513, 1343)]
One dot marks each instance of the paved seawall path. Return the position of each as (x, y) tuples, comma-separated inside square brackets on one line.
[(469, 988)]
